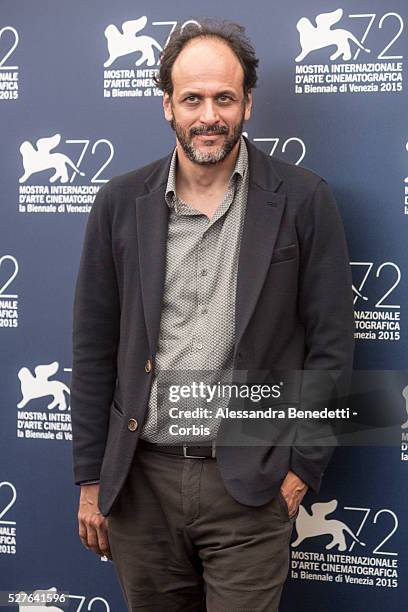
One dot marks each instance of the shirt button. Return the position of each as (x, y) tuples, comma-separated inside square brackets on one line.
[(203, 272), (148, 366), (199, 345), (132, 424)]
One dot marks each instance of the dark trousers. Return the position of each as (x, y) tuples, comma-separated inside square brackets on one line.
[(174, 528)]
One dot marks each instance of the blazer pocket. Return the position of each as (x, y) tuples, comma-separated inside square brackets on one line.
[(284, 253), (116, 408)]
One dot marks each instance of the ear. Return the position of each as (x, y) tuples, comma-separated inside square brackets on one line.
[(167, 108), (248, 106)]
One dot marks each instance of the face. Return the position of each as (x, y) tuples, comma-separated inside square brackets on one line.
[(207, 109)]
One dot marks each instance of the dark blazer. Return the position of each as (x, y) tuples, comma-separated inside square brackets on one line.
[(294, 310)]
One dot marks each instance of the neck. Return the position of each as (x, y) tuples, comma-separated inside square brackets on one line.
[(200, 177)]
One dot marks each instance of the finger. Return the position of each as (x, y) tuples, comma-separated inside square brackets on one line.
[(103, 540), (292, 511), (92, 537), (82, 533), (292, 505), (292, 514)]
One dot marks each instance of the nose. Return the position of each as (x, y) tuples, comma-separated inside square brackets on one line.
[(209, 113)]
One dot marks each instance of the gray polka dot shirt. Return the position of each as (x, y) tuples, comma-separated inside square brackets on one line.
[(196, 337)]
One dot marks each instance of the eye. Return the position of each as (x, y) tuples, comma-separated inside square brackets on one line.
[(224, 98), (191, 99)]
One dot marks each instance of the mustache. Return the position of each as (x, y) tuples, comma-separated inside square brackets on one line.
[(208, 130)]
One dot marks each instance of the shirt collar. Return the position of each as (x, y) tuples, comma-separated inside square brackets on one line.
[(241, 166)]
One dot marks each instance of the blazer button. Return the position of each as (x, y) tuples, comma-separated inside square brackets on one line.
[(148, 366), (132, 424)]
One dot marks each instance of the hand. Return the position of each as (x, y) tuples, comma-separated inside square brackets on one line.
[(293, 490), (93, 530)]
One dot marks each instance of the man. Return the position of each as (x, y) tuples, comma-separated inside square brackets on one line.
[(215, 257)]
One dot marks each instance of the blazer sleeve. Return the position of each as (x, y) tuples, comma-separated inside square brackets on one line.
[(325, 305), (95, 338)]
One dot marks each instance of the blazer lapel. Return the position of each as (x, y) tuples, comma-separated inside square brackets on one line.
[(261, 225), (152, 215)]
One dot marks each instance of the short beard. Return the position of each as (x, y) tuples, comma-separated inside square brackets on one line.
[(185, 139)]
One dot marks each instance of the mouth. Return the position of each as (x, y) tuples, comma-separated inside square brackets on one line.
[(209, 137)]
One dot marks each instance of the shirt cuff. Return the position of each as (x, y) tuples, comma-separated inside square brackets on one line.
[(89, 482)]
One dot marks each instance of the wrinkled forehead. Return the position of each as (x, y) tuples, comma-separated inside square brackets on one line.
[(207, 62)]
